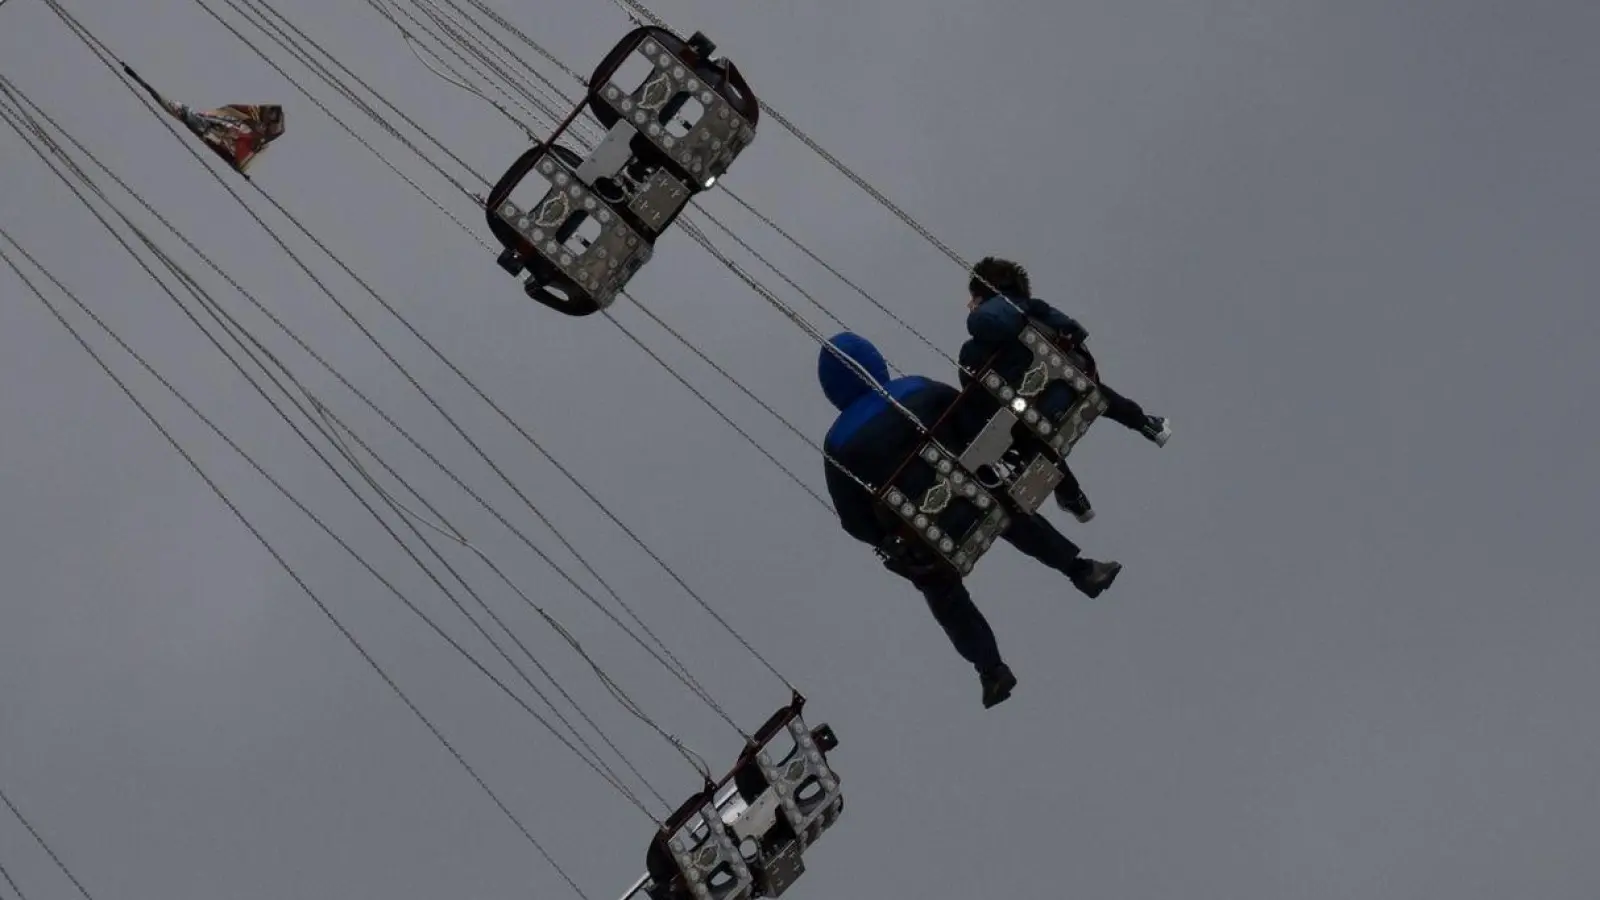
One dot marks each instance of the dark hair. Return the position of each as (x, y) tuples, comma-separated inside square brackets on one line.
[(993, 274)]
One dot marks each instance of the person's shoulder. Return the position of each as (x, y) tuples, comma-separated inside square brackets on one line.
[(914, 382), (921, 388), (840, 430), (999, 304), (994, 319)]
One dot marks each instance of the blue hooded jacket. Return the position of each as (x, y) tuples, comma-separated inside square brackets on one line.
[(857, 401), (870, 437)]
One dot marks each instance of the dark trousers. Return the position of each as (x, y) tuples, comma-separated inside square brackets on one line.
[(1121, 410), (952, 605), (1028, 442), (1069, 486)]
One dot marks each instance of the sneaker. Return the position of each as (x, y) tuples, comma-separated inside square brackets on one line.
[(1158, 429), (1076, 503), (997, 686), (1093, 576)]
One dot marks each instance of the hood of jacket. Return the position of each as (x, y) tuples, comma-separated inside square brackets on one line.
[(842, 383)]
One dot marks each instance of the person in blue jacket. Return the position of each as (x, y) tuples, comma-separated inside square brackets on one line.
[(870, 439), (1000, 301)]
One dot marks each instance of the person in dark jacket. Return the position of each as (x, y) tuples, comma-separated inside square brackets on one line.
[(1000, 301), (870, 439)]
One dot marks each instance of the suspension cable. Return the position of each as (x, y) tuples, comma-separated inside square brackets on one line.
[(766, 293), (37, 837), (5, 875), (785, 309), (689, 679), (357, 392), (193, 287), (272, 550), (523, 432), (639, 13)]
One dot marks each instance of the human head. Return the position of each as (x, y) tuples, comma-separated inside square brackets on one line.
[(272, 118), (841, 382), (992, 275)]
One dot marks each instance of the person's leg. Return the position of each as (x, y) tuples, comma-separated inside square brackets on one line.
[(962, 621), (1037, 538), (1121, 410), (1069, 481), (1129, 414), (969, 633), (1069, 493)]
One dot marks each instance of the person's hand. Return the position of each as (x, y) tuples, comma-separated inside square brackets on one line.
[(910, 559)]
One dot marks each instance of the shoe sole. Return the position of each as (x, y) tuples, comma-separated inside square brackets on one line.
[(1165, 434), (1106, 585), (1084, 516), (991, 704)]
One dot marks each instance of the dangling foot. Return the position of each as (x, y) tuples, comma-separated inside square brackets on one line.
[(1075, 502), (998, 684), (1093, 577), (1158, 429)]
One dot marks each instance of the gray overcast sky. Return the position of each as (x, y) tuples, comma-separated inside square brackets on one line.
[(1348, 246)]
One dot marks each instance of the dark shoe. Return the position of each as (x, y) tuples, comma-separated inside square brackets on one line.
[(1093, 577), (997, 685), (1075, 502)]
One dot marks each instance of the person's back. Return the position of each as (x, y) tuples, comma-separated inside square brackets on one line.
[(995, 324), (871, 438), (1000, 304)]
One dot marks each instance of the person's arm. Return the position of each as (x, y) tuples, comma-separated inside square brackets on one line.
[(972, 357), (856, 507), (1069, 328)]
